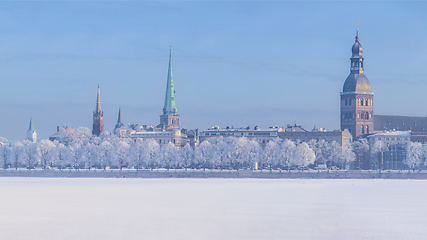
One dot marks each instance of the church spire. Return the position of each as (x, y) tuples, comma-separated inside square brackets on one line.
[(31, 133), (356, 57), (170, 107), (98, 117), (170, 117), (119, 120), (98, 102), (31, 128)]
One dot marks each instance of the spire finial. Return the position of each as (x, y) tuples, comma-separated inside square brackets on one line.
[(357, 32)]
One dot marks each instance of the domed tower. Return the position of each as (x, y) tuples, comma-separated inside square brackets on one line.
[(357, 99)]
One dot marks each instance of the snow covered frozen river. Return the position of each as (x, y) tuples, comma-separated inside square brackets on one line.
[(82, 208)]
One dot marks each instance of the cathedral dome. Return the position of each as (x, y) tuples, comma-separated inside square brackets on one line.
[(357, 83)]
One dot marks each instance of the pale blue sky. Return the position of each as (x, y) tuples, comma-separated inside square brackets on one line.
[(234, 63)]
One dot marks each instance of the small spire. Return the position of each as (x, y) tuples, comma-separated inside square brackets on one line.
[(31, 128), (119, 121), (357, 32), (98, 101)]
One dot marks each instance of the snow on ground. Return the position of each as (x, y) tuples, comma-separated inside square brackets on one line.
[(50, 208)]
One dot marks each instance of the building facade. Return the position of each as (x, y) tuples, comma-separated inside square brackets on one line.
[(163, 137), (298, 134), (400, 123), (389, 149), (357, 98), (98, 117), (263, 136)]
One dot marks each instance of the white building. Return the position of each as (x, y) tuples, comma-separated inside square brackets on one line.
[(262, 135), (390, 147), (162, 137)]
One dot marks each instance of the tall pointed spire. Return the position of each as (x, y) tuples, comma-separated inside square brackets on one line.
[(170, 117), (31, 128), (119, 120), (31, 133), (98, 117), (170, 107)]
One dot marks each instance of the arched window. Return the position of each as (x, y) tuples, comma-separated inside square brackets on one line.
[(361, 102), (346, 101), (367, 115), (363, 129), (367, 102), (367, 129)]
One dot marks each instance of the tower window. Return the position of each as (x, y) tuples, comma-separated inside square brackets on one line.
[(363, 130), (349, 102), (346, 101), (366, 102), (361, 102)]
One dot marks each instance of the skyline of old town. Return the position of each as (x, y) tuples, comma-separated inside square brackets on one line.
[(272, 78)]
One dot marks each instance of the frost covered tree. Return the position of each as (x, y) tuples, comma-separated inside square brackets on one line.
[(106, 154), (203, 154), (347, 156), (168, 155), (46, 149), (186, 155), (62, 156), (321, 150), (303, 155), (122, 149), (271, 154), (414, 152), (361, 150), (335, 154), (221, 153), (152, 153), (5, 155), (32, 154), (239, 151), (287, 150), (136, 152), (78, 154), (254, 153), (377, 151), (17, 154)]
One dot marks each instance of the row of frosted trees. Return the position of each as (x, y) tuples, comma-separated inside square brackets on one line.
[(108, 151)]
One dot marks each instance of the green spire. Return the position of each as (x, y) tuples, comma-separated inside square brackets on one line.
[(31, 128), (170, 107)]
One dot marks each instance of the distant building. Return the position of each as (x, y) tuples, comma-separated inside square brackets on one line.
[(357, 99), (63, 134), (164, 137), (263, 136), (31, 133), (98, 117), (297, 133), (393, 152), (400, 123), (120, 129)]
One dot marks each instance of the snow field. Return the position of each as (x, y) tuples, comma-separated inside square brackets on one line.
[(51, 208)]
